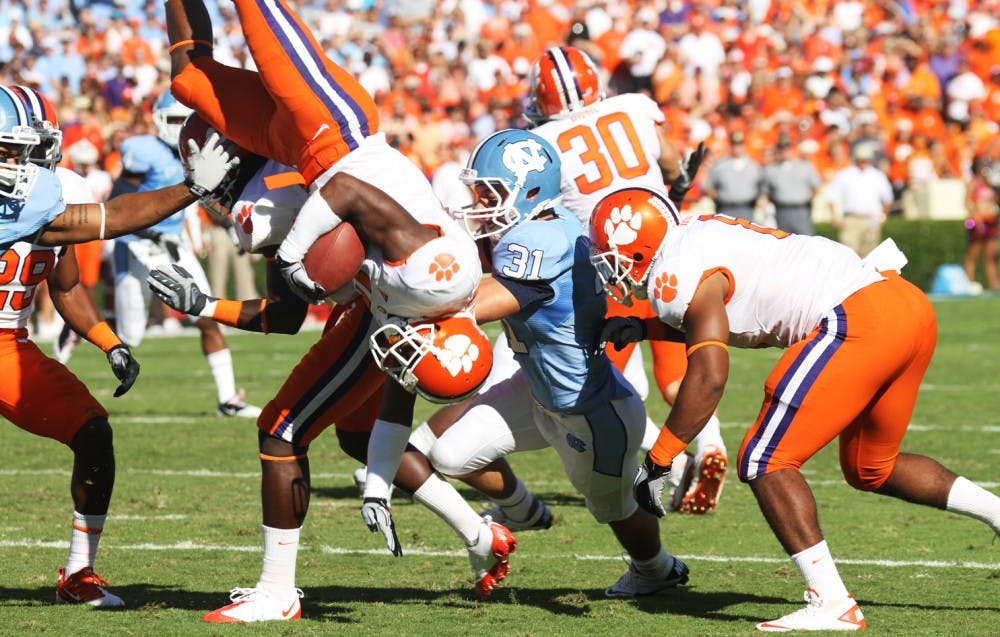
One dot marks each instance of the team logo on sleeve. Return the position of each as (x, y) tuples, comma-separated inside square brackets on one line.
[(457, 354), (524, 156), (444, 267), (243, 217), (622, 226), (665, 287)]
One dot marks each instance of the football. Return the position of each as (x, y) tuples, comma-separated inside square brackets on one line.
[(335, 258)]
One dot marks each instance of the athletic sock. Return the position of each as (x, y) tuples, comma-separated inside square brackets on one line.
[(440, 497), (649, 436), (820, 572), (968, 498), (83, 541), (520, 504), (657, 566), (221, 364), (281, 548)]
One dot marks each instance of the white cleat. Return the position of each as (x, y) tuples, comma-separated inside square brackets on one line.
[(636, 584), (235, 407), (819, 614), (490, 556), (257, 605)]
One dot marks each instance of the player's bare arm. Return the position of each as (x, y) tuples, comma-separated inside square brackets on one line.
[(493, 301), (189, 31), (73, 302), (670, 157)]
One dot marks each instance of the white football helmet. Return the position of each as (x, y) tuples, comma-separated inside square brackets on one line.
[(18, 138), (168, 118), (443, 360)]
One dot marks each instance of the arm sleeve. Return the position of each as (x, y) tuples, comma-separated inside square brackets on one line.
[(527, 293)]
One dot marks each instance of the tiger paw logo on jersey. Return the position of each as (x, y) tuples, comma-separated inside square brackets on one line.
[(457, 354), (622, 226), (243, 218), (444, 267), (665, 287)]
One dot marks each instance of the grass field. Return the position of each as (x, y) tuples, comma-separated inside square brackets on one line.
[(185, 521)]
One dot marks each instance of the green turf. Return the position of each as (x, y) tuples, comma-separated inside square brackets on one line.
[(185, 523)]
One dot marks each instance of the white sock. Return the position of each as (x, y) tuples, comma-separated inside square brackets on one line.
[(709, 436), (281, 548), (649, 436), (656, 566), (520, 503), (972, 500), (221, 364), (423, 439), (820, 572), (83, 541), (440, 497)]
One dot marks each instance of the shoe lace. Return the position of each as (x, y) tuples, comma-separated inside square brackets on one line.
[(242, 594)]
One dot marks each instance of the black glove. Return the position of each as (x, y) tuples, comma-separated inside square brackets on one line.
[(375, 513), (650, 482), (124, 366), (681, 184), (620, 331)]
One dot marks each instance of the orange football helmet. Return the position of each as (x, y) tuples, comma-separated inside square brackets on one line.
[(564, 79), (443, 360), (627, 229), (48, 152)]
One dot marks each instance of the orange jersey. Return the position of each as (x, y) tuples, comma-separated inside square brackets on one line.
[(39, 394), (336, 382), (300, 109)]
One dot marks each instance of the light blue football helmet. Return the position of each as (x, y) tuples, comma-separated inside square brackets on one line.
[(168, 118), (516, 176), (18, 138)]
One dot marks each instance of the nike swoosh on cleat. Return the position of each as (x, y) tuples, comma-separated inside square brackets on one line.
[(286, 613)]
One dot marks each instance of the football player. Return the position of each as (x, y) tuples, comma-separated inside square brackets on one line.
[(39, 394), (337, 382), (154, 162), (565, 395), (609, 143), (858, 339)]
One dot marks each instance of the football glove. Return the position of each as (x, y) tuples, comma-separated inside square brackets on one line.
[(681, 184), (177, 288), (208, 167), (620, 331), (650, 483), (294, 274), (124, 367), (375, 513)]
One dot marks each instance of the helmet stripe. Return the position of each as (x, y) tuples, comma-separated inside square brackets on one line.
[(23, 117), (569, 95), (36, 105)]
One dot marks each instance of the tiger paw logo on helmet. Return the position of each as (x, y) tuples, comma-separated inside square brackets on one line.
[(457, 354), (444, 267), (665, 287), (622, 226)]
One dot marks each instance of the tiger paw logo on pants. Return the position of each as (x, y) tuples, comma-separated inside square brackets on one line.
[(444, 267), (665, 287), (622, 226), (457, 354)]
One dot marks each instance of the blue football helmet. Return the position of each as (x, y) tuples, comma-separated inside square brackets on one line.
[(168, 118), (18, 138), (515, 176)]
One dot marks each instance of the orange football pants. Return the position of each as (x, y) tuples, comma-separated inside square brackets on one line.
[(38, 394), (856, 376), (88, 260), (336, 382), (669, 358)]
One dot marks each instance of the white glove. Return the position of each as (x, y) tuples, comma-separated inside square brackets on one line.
[(209, 166), (649, 485), (375, 513), (177, 288)]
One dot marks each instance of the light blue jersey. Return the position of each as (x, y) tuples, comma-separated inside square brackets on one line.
[(23, 219), (146, 154), (553, 339)]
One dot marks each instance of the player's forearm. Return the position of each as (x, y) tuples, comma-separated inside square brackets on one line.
[(77, 308), (189, 31), (697, 399), (657, 330)]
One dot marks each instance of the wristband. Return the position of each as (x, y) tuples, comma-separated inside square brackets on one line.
[(177, 45), (225, 311), (697, 346), (103, 336), (666, 448)]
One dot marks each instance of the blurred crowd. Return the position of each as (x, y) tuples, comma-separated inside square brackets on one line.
[(918, 78)]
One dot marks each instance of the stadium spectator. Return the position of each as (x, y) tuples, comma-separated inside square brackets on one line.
[(983, 205), (861, 195), (790, 183), (734, 183)]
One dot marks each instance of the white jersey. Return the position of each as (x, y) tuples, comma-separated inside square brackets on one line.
[(75, 187), (266, 208), (610, 145), (22, 267), (781, 285)]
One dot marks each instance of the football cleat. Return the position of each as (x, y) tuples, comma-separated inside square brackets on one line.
[(819, 614), (706, 488), (86, 587), (235, 407), (539, 517), (490, 556), (637, 584), (257, 605), (63, 346)]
